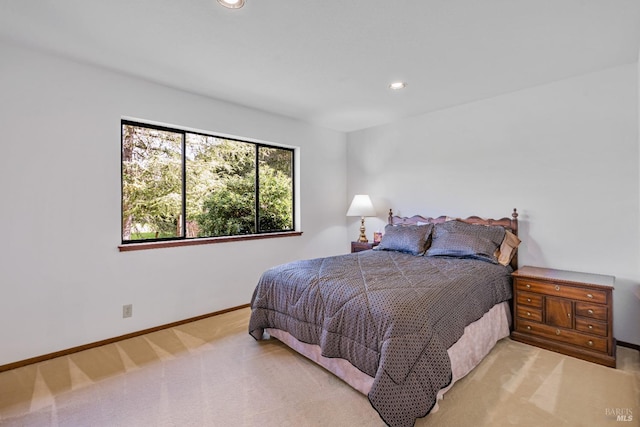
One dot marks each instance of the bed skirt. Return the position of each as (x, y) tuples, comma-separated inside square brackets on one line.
[(477, 341)]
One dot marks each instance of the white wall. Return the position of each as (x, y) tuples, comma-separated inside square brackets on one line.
[(565, 154), (62, 279)]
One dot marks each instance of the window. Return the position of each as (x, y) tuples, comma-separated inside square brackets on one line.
[(184, 185)]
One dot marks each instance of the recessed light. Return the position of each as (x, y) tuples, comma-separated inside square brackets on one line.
[(232, 4), (397, 85)]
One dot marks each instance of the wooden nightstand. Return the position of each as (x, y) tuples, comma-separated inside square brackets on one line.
[(362, 246), (565, 311)]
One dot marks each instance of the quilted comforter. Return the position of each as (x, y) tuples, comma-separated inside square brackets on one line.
[(390, 314)]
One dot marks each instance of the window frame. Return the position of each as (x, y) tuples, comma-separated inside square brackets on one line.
[(163, 242)]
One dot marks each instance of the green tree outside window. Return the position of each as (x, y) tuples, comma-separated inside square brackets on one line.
[(178, 184)]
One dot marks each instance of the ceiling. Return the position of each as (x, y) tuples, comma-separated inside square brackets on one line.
[(330, 62)]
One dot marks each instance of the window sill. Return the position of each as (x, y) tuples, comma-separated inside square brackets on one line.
[(203, 241)]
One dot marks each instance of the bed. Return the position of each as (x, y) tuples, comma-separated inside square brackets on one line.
[(403, 322)]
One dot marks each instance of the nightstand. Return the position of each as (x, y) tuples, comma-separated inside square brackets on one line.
[(362, 246), (565, 311)]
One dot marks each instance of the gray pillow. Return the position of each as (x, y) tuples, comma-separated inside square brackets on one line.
[(459, 239), (406, 238)]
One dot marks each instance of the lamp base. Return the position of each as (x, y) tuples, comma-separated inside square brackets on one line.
[(363, 237)]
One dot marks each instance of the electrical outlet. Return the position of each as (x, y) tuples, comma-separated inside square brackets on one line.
[(127, 311)]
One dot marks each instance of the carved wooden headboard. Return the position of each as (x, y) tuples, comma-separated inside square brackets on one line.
[(510, 224)]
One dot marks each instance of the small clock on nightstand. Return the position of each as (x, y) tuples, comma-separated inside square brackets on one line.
[(362, 246)]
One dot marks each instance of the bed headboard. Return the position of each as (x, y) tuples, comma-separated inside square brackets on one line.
[(510, 224)]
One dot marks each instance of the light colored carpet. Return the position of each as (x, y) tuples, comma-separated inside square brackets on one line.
[(212, 373)]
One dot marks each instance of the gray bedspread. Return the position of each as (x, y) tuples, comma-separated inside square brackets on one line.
[(392, 315)]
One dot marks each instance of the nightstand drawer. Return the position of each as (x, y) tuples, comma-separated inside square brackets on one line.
[(564, 335), (591, 326), (362, 246), (529, 299), (562, 290), (594, 311), (529, 313)]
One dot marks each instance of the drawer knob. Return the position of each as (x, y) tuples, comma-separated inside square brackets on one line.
[(557, 288), (590, 343), (528, 313), (590, 326), (528, 328), (557, 331), (589, 296), (528, 285), (590, 311), (528, 299)]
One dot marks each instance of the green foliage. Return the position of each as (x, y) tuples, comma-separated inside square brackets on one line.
[(229, 210), (151, 180), (220, 185), (276, 201), (212, 164)]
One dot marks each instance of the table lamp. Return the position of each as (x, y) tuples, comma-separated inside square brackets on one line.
[(361, 206)]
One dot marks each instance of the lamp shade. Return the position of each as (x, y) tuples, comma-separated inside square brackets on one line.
[(361, 206)]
